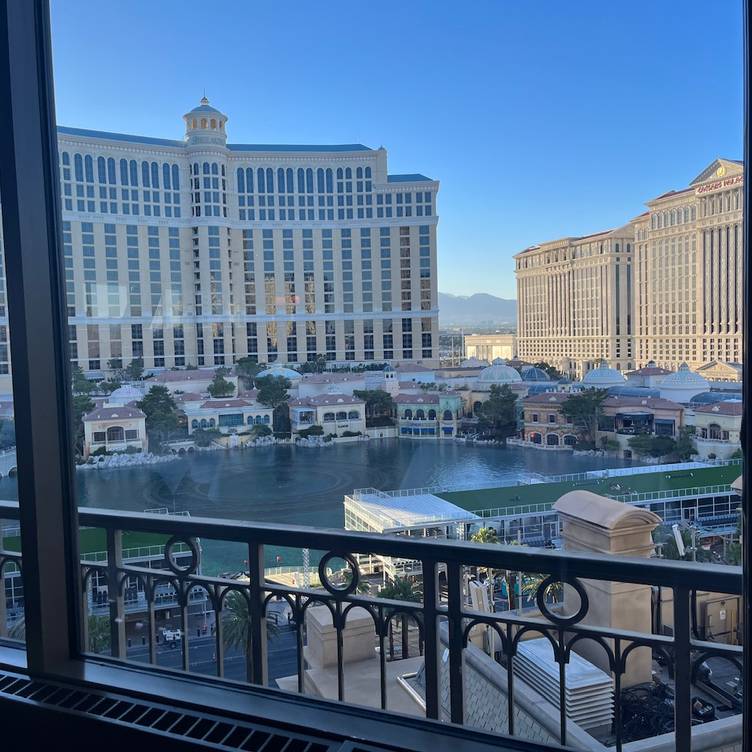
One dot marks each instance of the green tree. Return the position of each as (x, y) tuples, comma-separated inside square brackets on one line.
[(484, 535), (553, 373), (610, 445), (311, 431), (499, 412), (79, 382), (203, 437), (317, 365), (236, 625), (109, 386), (98, 630), (652, 446), (272, 392), (685, 445), (379, 404), (664, 536), (220, 386), (135, 370), (161, 414), (7, 434), (247, 369), (116, 366), (81, 405), (259, 430), (401, 589), (584, 409)]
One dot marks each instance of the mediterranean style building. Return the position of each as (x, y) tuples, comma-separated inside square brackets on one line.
[(666, 287), (488, 347), (199, 251)]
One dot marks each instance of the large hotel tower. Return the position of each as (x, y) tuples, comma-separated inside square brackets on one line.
[(201, 252), (666, 287)]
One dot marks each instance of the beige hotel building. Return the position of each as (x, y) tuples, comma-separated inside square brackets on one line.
[(199, 251), (665, 287)]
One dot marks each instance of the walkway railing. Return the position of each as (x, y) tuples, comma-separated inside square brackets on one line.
[(442, 612)]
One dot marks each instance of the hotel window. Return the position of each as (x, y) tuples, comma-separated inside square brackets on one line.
[(272, 342), (407, 339), (349, 339), (251, 334), (330, 342), (155, 271), (134, 273), (311, 342), (347, 271), (157, 339), (178, 343), (386, 268), (368, 349), (328, 269), (89, 264), (137, 341)]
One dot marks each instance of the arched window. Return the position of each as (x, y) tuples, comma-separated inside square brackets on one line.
[(359, 172), (205, 168), (341, 415), (249, 420), (166, 182), (329, 180), (175, 178), (432, 415), (309, 180), (348, 173), (259, 419), (261, 180), (301, 180), (154, 175), (203, 423), (193, 123), (115, 433), (340, 173), (111, 176), (328, 417), (241, 180), (476, 407), (215, 169), (368, 173), (408, 414), (420, 414), (203, 122), (78, 167), (266, 420), (570, 440), (249, 180), (145, 175), (211, 423), (353, 415), (448, 415), (194, 423), (269, 180), (320, 180), (123, 172), (290, 181), (133, 167), (89, 166), (101, 171), (281, 180), (552, 439), (535, 438), (213, 122), (714, 431)]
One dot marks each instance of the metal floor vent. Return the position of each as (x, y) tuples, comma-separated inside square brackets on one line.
[(207, 730)]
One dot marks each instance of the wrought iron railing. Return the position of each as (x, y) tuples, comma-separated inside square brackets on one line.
[(442, 612)]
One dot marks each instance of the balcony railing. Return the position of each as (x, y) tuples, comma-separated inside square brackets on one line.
[(443, 618)]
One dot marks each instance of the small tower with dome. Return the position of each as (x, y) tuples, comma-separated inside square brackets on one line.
[(205, 125)]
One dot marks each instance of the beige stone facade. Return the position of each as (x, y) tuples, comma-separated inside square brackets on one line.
[(667, 287), (573, 302)]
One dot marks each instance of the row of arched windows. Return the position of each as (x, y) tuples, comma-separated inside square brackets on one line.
[(213, 123), (107, 172), (250, 420), (287, 179), (420, 414), (672, 217)]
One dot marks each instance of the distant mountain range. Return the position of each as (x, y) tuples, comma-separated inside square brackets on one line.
[(480, 309)]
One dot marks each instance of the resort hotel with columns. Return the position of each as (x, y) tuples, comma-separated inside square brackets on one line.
[(199, 252), (666, 287)]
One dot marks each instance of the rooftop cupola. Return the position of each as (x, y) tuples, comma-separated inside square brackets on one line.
[(205, 125)]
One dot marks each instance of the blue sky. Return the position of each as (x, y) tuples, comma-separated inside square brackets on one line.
[(540, 119)]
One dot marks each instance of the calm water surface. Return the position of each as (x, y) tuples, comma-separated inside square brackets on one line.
[(285, 484)]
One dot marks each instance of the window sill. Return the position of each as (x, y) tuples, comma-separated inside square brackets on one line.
[(274, 706)]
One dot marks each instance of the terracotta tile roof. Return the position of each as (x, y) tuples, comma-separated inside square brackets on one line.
[(722, 408), (324, 400), (217, 404), (108, 413)]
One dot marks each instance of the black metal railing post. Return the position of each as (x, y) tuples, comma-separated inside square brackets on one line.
[(682, 669), (431, 651), (454, 614), (257, 614), (115, 593)]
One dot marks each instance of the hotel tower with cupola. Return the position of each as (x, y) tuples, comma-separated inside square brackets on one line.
[(199, 251)]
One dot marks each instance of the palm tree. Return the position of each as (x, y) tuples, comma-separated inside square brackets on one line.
[(484, 535), (98, 630), (401, 589), (236, 625)]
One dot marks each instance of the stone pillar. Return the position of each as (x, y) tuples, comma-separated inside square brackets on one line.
[(358, 637), (593, 523)]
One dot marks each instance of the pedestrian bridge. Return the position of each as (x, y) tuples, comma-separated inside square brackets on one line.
[(8, 465)]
